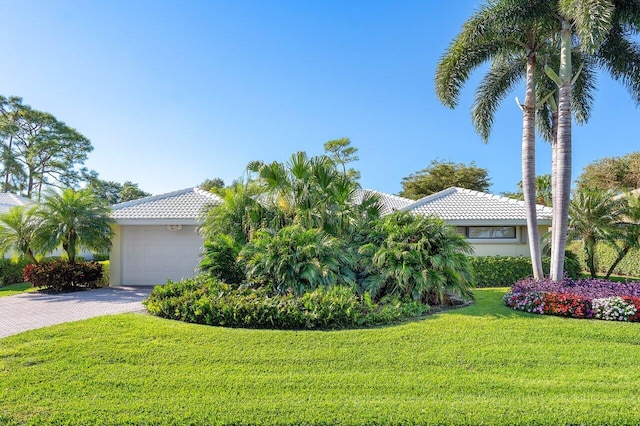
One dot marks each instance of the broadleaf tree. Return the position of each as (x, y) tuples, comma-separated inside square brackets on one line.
[(440, 175)]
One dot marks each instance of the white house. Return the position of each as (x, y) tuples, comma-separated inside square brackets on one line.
[(493, 225), (156, 238), (8, 200)]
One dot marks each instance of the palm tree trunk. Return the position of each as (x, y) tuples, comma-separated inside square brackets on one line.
[(621, 255), (590, 252), (529, 167), (563, 158)]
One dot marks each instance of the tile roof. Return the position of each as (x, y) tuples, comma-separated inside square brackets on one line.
[(8, 200), (388, 202), (184, 204), (458, 204)]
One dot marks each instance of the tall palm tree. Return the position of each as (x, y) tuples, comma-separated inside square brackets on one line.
[(506, 33), (18, 228), (74, 220), (594, 216), (604, 28)]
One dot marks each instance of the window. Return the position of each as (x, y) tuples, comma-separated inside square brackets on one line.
[(491, 232)]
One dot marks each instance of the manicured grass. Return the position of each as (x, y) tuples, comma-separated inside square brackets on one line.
[(12, 289), (484, 364)]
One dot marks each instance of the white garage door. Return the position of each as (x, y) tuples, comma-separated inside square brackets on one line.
[(153, 254)]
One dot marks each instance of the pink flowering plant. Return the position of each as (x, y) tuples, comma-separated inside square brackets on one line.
[(588, 298)]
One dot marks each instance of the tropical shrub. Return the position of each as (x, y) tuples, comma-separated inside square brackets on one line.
[(501, 271), (205, 300), (11, 271), (100, 257), (599, 299), (104, 280), (606, 255), (297, 260), (418, 257), (59, 275), (219, 259)]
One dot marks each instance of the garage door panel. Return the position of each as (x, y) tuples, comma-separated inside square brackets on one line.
[(154, 254)]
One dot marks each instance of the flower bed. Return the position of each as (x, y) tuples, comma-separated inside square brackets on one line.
[(598, 299)]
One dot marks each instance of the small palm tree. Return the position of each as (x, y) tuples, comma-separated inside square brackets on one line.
[(420, 257), (297, 260), (74, 220), (17, 232), (594, 216), (629, 233)]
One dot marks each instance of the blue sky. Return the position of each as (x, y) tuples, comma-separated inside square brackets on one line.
[(173, 92)]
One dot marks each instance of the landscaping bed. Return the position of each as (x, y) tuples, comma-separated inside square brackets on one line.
[(484, 364), (205, 300), (588, 298)]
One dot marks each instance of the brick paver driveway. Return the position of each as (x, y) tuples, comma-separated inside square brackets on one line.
[(27, 311)]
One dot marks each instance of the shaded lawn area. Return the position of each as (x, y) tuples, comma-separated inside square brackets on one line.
[(12, 289), (481, 364)]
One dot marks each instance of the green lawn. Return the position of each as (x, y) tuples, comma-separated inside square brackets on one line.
[(485, 364), (12, 289)]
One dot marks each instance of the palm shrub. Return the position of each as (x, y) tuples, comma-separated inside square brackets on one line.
[(416, 256), (219, 259), (18, 228), (73, 220), (297, 260), (628, 232), (238, 216), (594, 216)]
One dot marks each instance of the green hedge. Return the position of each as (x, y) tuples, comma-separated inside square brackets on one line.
[(204, 300), (11, 271), (605, 256), (504, 271), (104, 280)]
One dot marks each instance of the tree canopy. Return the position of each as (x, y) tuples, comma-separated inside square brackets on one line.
[(215, 185), (37, 150), (113, 192), (441, 175), (615, 173)]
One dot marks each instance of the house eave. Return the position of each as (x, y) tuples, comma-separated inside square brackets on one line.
[(163, 221), (494, 222)]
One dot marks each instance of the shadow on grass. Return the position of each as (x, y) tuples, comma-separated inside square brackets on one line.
[(488, 303), (15, 289)]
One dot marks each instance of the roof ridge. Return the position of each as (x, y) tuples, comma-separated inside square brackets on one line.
[(431, 197), (151, 198), (209, 194), (500, 197), (17, 198), (387, 194)]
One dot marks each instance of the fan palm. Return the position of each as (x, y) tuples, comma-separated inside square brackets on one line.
[(18, 228), (416, 256), (297, 260), (73, 220)]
